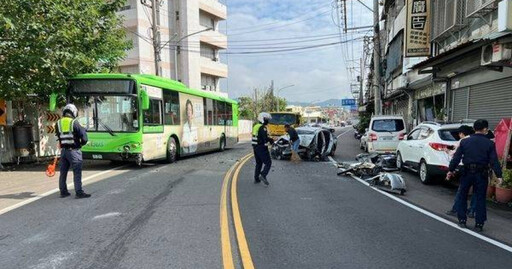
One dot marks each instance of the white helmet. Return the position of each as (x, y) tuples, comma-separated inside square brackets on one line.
[(71, 109), (264, 116)]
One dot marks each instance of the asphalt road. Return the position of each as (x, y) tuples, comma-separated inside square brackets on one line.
[(167, 216), (162, 216), (311, 218)]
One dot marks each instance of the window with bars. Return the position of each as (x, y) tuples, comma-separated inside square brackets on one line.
[(208, 52), (449, 15)]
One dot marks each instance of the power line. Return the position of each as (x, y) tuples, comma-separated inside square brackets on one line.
[(281, 26), (274, 23)]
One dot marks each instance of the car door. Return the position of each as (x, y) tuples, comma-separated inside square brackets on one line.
[(407, 147), (418, 147)]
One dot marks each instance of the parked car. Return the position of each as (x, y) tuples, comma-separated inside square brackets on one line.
[(384, 134), (315, 143), (363, 141), (426, 150)]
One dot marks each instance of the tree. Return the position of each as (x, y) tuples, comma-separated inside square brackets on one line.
[(44, 42), (250, 108)]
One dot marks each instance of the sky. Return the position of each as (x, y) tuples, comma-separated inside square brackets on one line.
[(318, 73)]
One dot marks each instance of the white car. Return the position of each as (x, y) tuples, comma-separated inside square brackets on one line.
[(384, 134), (427, 150)]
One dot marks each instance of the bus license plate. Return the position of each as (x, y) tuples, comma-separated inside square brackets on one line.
[(97, 156)]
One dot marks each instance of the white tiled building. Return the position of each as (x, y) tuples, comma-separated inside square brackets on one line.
[(198, 60)]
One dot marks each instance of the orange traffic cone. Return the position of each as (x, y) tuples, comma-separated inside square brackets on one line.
[(50, 170)]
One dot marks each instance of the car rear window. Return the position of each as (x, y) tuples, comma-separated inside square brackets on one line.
[(449, 134), (388, 125)]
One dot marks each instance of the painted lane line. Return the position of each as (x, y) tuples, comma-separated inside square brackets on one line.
[(243, 247), (432, 215), (342, 134), (48, 193), (227, 256)]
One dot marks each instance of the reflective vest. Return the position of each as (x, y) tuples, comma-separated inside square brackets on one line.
[(255, 131), (65, 131)]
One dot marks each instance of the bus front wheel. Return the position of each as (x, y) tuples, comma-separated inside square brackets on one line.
[(172, 150)]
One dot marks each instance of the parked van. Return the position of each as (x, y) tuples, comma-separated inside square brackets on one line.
[(384, 134)]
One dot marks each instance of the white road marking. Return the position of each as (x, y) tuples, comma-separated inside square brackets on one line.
[(48, 193), (432, 215), (108, 215), (343, 133)]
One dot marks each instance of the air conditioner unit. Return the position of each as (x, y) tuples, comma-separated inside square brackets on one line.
[(474, 7), (495, 54)]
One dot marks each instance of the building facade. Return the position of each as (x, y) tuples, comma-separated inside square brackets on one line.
[(468, 74), (190, 41)]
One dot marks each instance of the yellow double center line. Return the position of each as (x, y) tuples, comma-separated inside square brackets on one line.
[(243, 247)]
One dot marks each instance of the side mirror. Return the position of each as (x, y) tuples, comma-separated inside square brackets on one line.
[(53, 102), (145, 100)]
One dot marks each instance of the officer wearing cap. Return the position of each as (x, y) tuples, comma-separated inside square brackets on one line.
[(71, 136), (259, 142), (477, 153)]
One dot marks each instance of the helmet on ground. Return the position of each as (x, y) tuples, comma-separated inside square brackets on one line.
[(71, 110), (264, 116)]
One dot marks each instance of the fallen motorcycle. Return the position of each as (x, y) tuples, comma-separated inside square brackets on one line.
[(373, 168)]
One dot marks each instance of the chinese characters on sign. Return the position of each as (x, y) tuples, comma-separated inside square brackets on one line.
[(417, 40)]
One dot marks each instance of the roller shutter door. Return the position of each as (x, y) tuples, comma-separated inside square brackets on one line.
[(460, 104), (491, 101)]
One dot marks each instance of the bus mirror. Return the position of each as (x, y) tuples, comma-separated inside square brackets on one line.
[(145, 100), (53, 102)]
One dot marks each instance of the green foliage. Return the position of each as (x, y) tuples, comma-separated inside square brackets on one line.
[(507, 179), (43, 42), (266, 102)]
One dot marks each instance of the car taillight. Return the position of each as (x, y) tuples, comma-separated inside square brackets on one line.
[(373, 137), (401, 136), (438, 146)]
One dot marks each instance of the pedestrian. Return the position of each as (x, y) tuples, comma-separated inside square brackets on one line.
[(464, 132), (259, 142), (71, 136), (477, 153), (294, 142)]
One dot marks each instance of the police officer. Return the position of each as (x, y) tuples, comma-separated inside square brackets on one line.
[(477, 153), (71, 137), (259, 142)]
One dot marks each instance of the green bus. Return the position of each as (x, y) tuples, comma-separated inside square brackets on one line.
[(145, 117)]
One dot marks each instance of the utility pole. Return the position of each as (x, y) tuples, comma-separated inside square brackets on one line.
[(155, 27), (361, 79), (272, 94), (376, 59)]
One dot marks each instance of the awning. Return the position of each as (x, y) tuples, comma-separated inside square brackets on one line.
[(459, 50)]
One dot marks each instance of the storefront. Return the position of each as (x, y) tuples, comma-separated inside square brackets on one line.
[(490, 100), (429, 103)]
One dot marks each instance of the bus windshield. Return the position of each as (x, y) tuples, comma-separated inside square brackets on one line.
[(280, 119), (109, 113)]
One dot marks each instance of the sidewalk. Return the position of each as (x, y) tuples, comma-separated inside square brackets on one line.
[(27, 182), (439, 198)]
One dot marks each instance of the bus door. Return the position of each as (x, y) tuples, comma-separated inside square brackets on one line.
[(154, 144), (211, 141)]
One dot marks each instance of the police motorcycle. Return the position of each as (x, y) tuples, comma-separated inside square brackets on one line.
[(376, 170)]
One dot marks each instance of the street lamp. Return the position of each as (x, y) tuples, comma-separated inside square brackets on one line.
[(177, 46), (277, 94)]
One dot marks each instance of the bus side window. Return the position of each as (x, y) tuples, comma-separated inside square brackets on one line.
[(208, 109), (229, 114), (221, 113), (171, 108), (153, 116)]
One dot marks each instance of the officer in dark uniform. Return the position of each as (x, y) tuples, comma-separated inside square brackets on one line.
[(71, 138), (259, 142), (477, 153)]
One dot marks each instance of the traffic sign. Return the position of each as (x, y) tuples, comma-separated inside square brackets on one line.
[(348, 102)]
